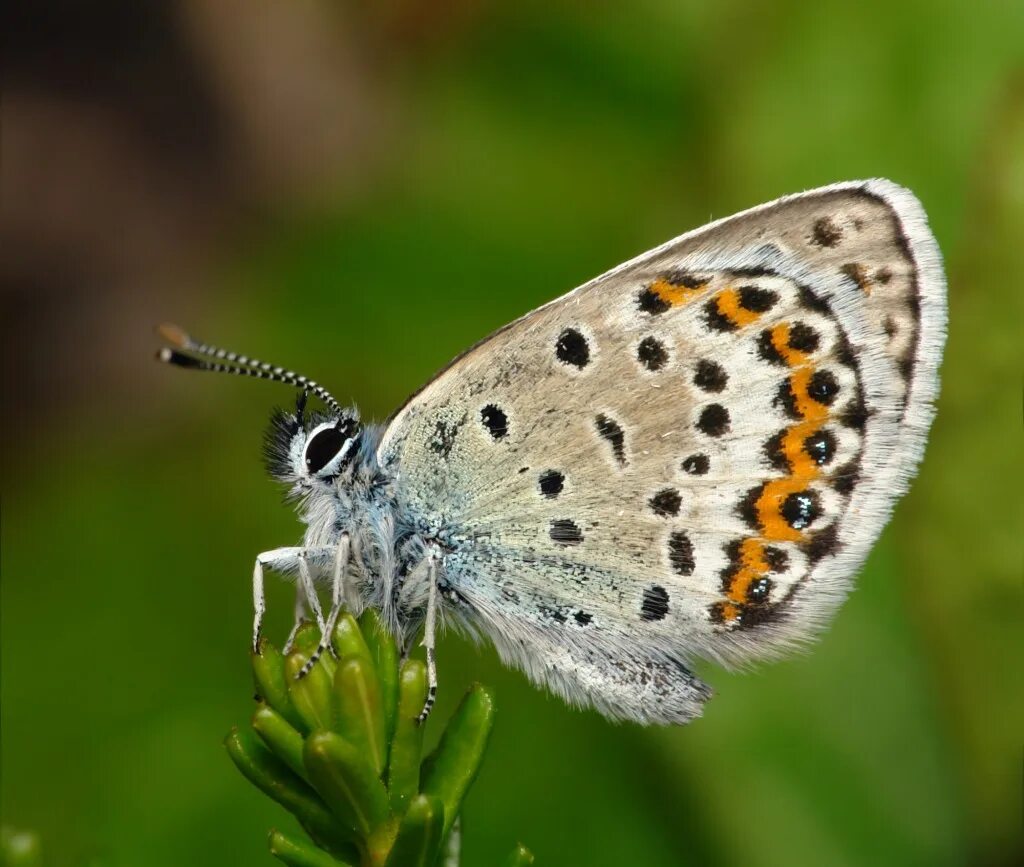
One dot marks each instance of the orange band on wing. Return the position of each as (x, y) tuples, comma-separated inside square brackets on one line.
[(728, 301), (772, 526), (675, 294)]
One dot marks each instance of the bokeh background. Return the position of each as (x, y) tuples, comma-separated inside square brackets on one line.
[(361, 190)]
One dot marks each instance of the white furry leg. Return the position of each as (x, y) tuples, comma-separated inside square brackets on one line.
[(430, 638), (280, 559), (341, 556), (312, 600), (259, 604), (298, 616), (288, 561)]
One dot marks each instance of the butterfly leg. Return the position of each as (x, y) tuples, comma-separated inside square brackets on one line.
[(341, 556), (280, 559), (298, 618), (307, 588), (288, 561), (430, 636)]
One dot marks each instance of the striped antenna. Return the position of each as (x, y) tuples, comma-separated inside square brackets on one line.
[(239, 365)]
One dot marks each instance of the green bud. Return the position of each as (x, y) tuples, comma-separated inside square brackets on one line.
[(272, 682), (282, 739), (384, 655), (298, 853), (348, 640), (346, 781), (419, 834), (311, 694), (360, 718), (274, 779), (407, 744), (449, 771)]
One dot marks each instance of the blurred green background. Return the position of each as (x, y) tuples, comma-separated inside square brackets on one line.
[(361, 190)]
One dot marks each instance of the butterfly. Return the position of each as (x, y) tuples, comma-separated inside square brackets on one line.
[(688, 457)]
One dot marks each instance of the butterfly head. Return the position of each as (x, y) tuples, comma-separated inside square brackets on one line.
[(307, 449), (301, 449)]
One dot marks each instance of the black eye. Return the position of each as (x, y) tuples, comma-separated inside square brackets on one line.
[(322, 447)]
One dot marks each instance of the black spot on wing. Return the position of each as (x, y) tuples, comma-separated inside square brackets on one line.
[(572, 348), (825, 232), (494, 419), (803, 338), (666, 503), (611, 430), (680, 553), (713, 420), (710, 376), (786, 400), (551, 483), (810, 300), (822, 544), (773, 451), (757, 615), (801, 509), (565, 532), (696, 465), (757, 300), (654, 605), (766, 349), (652, 354), (844, 352), (854, 415), (651, 302), (759, 590), (821, 446), (845, 479), (746, 508), (823, 387)]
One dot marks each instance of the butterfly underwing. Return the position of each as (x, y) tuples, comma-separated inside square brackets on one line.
[(688, 457)]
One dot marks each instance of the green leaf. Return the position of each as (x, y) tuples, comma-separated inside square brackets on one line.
[(312, 694), (407, 743), (449, 771), (384, 654), (520, 857), (272, 683), (419, 834), (360, 718), (276, 781), (345, 780), (282, 739), (298, 853)]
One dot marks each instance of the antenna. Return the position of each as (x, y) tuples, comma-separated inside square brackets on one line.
[(238, 365)]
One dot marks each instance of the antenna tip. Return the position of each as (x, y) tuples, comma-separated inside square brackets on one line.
[(174, 335), (169, 356)]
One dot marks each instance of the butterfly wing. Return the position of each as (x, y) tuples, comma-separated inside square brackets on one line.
[(688, 456)]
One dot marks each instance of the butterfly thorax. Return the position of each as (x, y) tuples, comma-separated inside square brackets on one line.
[(386, 543)]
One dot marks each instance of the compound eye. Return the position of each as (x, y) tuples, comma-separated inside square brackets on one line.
[(322, 448)]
